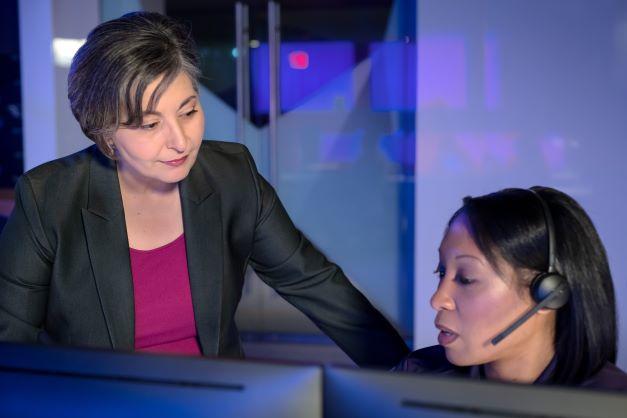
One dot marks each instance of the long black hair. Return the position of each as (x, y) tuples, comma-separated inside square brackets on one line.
[(510, 225)]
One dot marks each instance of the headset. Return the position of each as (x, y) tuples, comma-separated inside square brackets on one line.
[(548, 289)]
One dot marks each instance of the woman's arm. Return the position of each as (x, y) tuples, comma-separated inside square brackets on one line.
[(25, 266), (285, 259)]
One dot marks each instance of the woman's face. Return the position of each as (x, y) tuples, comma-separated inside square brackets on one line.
[(163, 149), (474, 303)]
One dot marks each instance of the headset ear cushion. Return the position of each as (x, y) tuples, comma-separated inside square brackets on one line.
[(550, 285)]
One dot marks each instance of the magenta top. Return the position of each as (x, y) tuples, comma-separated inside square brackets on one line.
[(164, 315)]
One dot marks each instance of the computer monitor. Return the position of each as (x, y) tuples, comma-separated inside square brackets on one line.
[(45, 381), (364, 393)]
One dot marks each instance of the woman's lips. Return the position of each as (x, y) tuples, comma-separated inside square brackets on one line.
[(175, 163), (446, 336)]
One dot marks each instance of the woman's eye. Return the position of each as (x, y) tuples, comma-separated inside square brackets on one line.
[(463, 280), (440, 272), (150, 126), (191, 112)]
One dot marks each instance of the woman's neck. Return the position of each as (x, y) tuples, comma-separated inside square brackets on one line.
[(134, 184)]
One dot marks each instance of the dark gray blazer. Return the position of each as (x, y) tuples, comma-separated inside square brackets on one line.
[(65, 272)]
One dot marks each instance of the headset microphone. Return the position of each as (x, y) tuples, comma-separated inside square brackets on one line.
[(548, 289), (560, 292)]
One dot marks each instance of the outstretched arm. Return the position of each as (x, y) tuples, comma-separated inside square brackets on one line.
[(285, 259)]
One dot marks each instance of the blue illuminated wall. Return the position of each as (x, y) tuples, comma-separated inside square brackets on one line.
[(393, 77), (514, 94)]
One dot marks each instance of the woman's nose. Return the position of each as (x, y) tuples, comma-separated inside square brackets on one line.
[(177, 139), (442, 299)]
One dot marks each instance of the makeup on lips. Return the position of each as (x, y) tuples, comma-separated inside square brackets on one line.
[(175, 163), (446, 336)]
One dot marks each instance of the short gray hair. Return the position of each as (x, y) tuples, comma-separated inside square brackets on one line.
[(111, 71)]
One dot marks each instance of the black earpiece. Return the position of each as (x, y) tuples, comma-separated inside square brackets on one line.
[(548, 289), (550, 285)]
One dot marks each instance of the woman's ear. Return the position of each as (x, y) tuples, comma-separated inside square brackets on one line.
[(109, 148)]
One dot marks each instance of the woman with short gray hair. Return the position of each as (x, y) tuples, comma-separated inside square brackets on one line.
[(141, 242)]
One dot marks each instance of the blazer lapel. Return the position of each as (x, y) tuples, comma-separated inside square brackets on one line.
[(107, 244), (202, 221)]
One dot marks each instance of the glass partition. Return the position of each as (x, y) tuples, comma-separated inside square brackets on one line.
[(342, 143)]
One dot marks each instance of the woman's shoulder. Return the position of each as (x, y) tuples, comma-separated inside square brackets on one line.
[(62, 176), (222, 147), (610, 377), (69, 165), (221, 155), (430, 360)]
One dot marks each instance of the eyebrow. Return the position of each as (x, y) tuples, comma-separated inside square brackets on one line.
[(183, 103), (457, 257), (468, 256)]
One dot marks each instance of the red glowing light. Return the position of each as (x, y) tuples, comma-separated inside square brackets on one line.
[(299, 60)]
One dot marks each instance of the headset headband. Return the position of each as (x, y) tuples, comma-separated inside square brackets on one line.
[(548, 219)]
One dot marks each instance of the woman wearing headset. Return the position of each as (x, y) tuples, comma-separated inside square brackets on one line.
[(525, 295)]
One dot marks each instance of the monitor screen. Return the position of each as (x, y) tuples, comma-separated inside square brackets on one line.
[(44, 381), (362, 393), (315, 76)]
